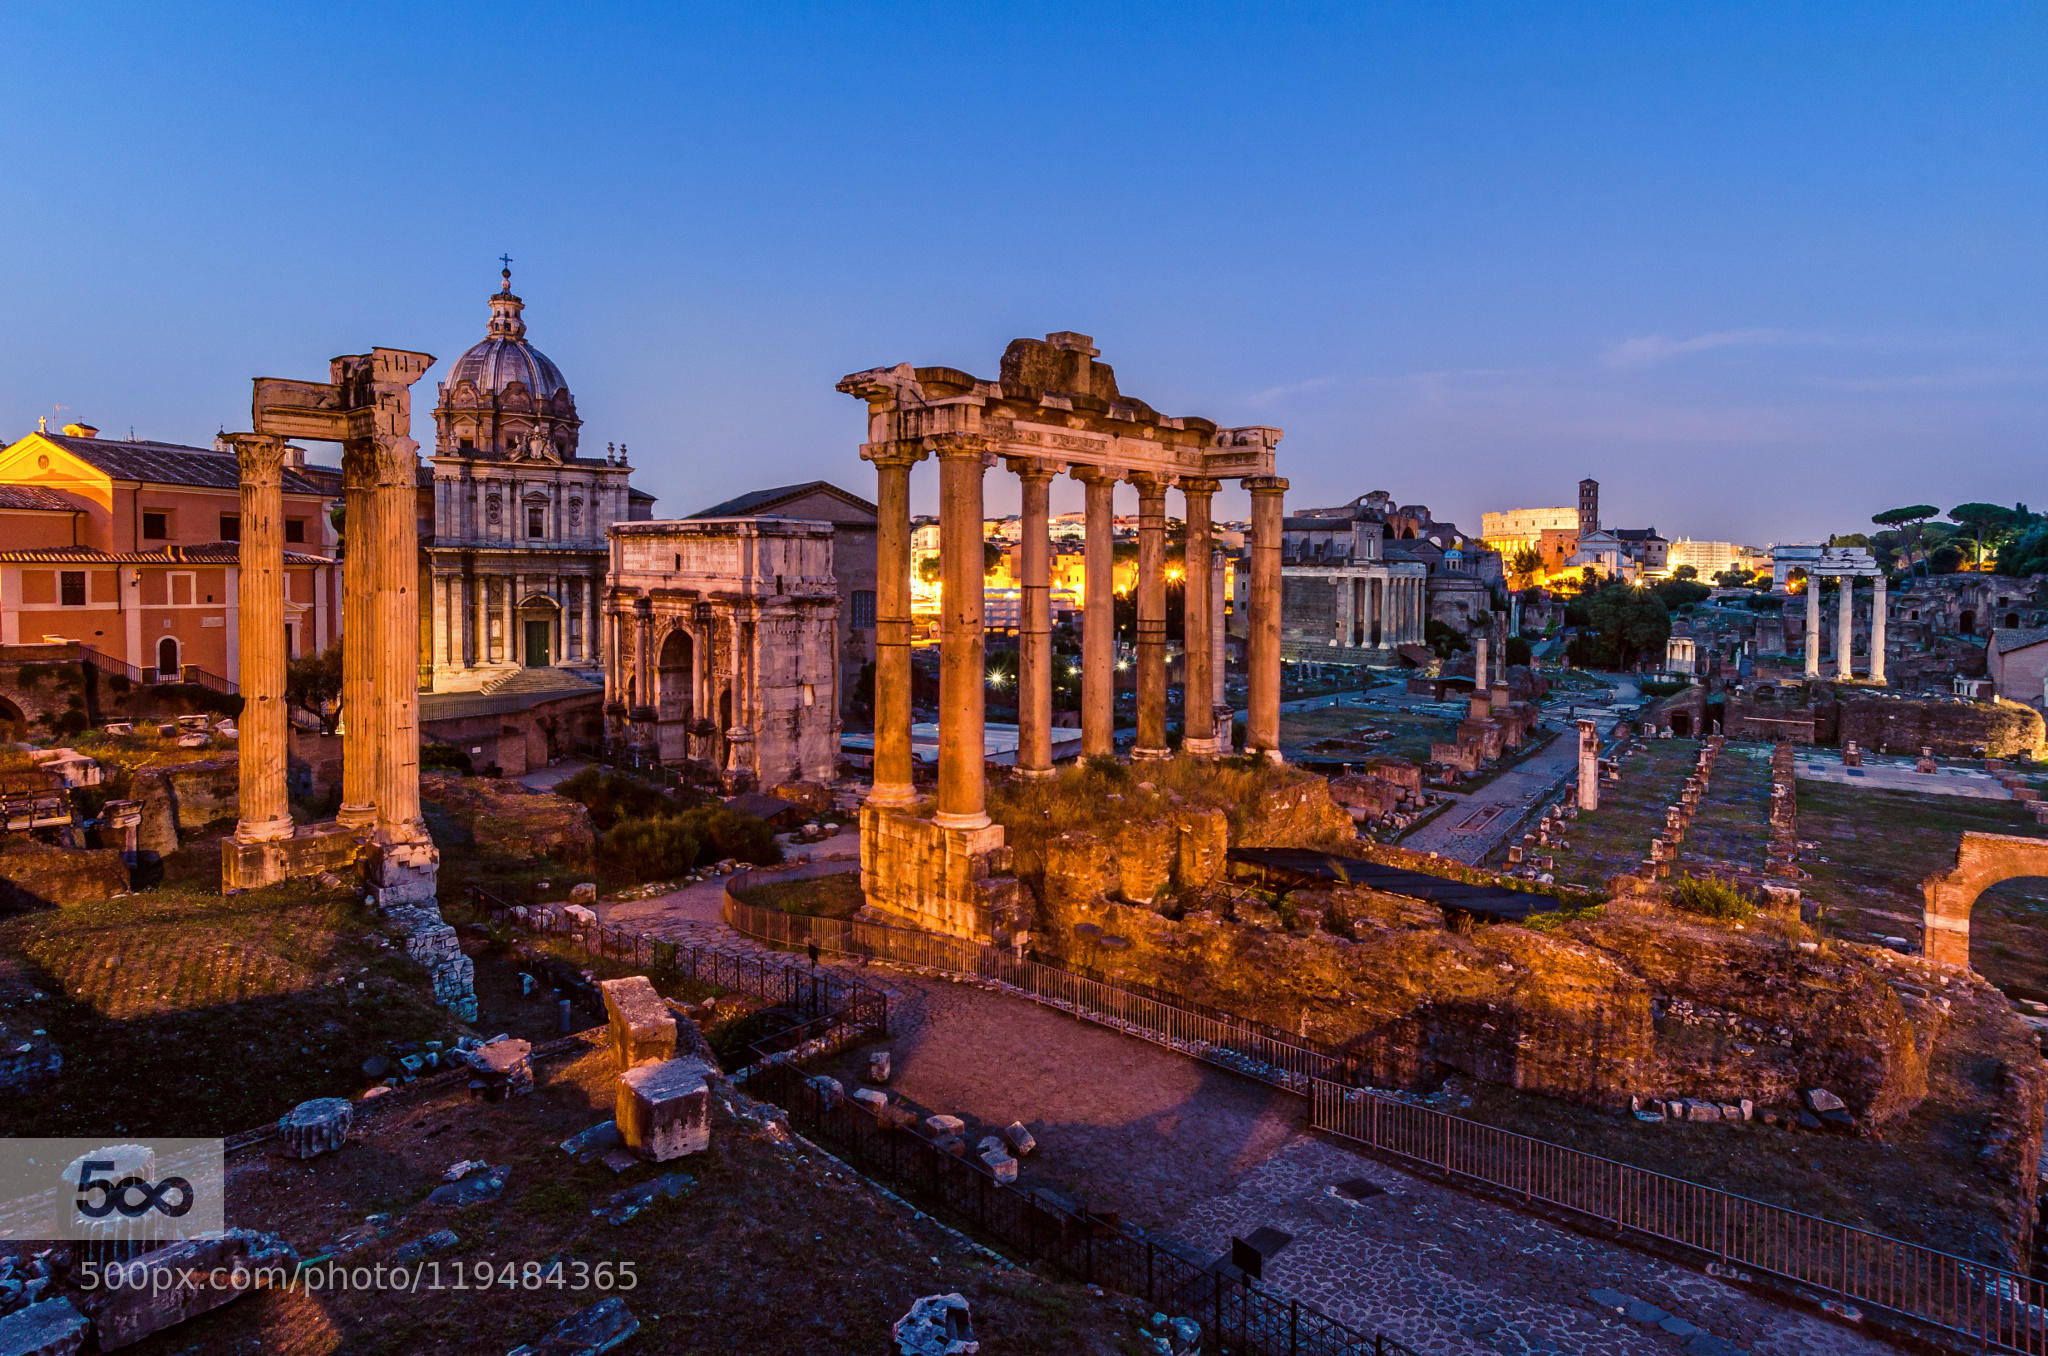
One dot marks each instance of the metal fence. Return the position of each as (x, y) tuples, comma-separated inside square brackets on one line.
[(835, 1001), (1984, 1302), (1239, 1317)]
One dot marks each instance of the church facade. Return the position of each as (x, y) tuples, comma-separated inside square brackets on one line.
[(513, 568)]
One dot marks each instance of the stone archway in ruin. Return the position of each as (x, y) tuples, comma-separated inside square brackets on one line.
[(675, 694), (1982, 860)]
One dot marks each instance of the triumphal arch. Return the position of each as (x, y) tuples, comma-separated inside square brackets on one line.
[(1052, 410)]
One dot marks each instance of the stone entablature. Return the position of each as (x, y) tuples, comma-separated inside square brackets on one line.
[(723, 647), (1352, 613)]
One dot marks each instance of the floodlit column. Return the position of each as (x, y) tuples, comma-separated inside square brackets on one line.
[(397, 682), (1198, 677), (1845, 665), (1034, 641), (1877, 606), (1262, 721), (1481, 667), (1098, 615), (1219, 649), (360, 711), (1589, 765), (1151, 740), (265, 811), (894, 784), (1812, 625), (643, 658), (963, 643)]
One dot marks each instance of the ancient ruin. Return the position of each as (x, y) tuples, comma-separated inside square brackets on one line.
[(723, 648), (1052, 409)]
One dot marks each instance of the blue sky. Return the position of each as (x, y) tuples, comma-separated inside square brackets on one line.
[(1761, 270)]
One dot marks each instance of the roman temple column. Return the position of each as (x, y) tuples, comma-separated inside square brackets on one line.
[(1151, 740), (360, 711), (1812, 625), (1098, 616), (963, 644), (1219, 649), (1877, 606), (1845, 662), (264, 810), (894, 784), (1262, 721), (1034, 641), (396, 684), (1198, 679)]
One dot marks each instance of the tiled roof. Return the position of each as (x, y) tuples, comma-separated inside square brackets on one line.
[(202, 553), (35, 497), (169, 463), (1635, 533), (2008, 638), (760, 501)]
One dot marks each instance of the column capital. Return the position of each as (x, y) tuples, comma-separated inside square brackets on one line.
[(260, 457), (1265, 484), (387, 461), (961, 446), (1096, 475), (1150, 483), (903, 452), (1033, 469), (1196, 485)]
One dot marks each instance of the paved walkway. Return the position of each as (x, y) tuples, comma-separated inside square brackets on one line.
[(549, 777), (1199, 1155), (1477, 823)]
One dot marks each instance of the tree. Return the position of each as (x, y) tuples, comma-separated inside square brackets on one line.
[(1992, 520), (1525, 565), (313, 681), (991, 555), (1686, 572), (1908, 521), (1623, 624), (1677, 593)]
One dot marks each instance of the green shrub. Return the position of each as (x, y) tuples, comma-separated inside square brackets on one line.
[(612, 799), (651, 849), (1557, 918), (726, 833), (436, 756), (1711, 897)]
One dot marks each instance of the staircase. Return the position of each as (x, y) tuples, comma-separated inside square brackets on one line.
[(537, 680)]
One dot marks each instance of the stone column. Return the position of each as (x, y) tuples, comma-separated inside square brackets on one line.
[(1151, 740), (1034, 641), (359, 642), (645, 694), (963, 679), (1098, 616), (1481, 668), (1198, 670), (1589, 765), (1812, 625), (593, 650), (1877, 619), (1262, 721), (265, 811), (1845, 661), (396, 686), (894, 783)]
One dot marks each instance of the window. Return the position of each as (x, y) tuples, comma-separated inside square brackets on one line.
[(863, 609), (156, 526), (71, 588), (536, 521), (295, 529), (230, 527)]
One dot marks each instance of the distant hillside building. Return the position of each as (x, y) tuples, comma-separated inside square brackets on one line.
[(1522, 528)]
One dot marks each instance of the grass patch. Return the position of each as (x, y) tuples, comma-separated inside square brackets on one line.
[(1710, 897), (1101, 794), (1557, 919), (834, 896)]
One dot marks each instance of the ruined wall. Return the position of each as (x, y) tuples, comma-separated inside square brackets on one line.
[(36, 875), (1953, 729), (183, 800), (512, 820)]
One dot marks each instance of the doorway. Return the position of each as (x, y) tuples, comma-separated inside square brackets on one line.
[(167, 670), (537, 645)]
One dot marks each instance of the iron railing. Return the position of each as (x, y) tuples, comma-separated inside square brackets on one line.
[(1239, 1317), (1986, 1303)]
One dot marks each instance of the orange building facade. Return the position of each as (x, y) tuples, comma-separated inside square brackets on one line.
[(132, 548)]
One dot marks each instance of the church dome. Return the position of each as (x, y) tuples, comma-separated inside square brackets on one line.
[(504, 356)]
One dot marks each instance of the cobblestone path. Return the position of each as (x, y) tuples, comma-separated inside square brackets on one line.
[(1198, 1155)]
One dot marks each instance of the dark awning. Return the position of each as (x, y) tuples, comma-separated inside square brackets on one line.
[(1493, 902)]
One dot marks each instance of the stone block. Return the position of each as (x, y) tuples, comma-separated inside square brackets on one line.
[(583, 893), (641, 1026), (664, 1110), (1020, 1140), (829, 1089), (316, 1127), (584, 917), (588, 1332), (878, 1066), (870, 1098), (1001, 1164), (504, 1068), (180, 1283), (937, 1325), (944, 1125), (51, 1327)]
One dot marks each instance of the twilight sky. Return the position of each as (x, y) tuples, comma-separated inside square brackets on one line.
[(1761, 270)]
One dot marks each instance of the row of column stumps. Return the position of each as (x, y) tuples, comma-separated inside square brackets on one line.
[(1844, 660), (962, 460)]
